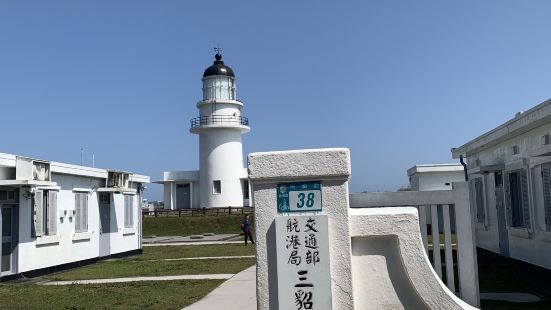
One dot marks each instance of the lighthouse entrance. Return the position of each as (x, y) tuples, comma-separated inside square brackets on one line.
[(183, 195)]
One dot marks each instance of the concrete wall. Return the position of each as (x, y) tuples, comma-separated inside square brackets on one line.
[(377, 259), (433, 181), (332, 168)]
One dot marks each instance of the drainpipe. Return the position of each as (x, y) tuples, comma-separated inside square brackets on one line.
[(464, 167)]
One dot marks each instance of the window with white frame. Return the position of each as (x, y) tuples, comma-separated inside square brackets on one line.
[(44, 212), (516, 198), (546, 183), (128, 211), (81, 212)]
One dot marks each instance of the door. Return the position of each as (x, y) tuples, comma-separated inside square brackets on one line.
[(8, 228), (183, 196), (105, 225), (501, 219)]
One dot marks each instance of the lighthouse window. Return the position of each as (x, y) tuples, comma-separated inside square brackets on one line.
[(217, 187)]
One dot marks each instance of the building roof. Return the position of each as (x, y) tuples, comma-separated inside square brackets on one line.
[(521, 123), (9, 160), (218, 68), (434, 168)]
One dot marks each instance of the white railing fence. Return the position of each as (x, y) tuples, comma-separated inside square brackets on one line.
[(441, 213)]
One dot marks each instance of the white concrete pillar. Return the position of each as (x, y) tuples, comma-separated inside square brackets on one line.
[(329, 167), (173, 195), (167, 195)]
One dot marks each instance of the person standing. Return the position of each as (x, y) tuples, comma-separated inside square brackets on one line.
[(246, 227)]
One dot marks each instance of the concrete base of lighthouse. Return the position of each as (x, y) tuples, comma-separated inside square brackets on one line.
[(182, 190)]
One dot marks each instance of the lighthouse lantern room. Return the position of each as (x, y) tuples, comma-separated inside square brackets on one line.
[(220, 126)]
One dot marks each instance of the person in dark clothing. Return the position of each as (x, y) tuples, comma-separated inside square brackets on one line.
[(246, 227)]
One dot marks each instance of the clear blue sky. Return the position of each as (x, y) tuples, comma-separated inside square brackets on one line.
[(397, 82)]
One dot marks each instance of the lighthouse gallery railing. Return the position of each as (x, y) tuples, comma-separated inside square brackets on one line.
[(219, 119)]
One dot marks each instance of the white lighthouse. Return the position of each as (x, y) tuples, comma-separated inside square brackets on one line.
[(222, 179), (220, 126)]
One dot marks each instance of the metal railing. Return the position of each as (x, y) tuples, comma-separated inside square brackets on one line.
[(219, 120), (198, 212)]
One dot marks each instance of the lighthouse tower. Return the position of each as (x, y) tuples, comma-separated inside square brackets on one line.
[(222, 179)]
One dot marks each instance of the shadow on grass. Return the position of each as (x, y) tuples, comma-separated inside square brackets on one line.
[(506, 275)]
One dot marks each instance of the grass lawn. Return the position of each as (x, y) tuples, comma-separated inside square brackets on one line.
[(162, 252), (134, 295), (500, 274), (134, 268), (453, 237), (185, 226)]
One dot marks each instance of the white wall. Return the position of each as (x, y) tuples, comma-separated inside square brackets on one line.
[(32, 255), (533, 246), (195, 194), (221, 109), (221, 158), (432, 181), (168, 203)]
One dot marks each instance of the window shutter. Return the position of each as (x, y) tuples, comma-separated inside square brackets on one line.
[(479, 188), (525, 199), (84, 207), (130, 211), (546, 181), (77, 212), (472, 199), (126, 210), (507, 200), (52, 212), (38, 215)]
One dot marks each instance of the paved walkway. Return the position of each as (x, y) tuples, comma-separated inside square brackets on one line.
[(237, 293), (197, 258), (137, 279), (193, 238), (192, 243)]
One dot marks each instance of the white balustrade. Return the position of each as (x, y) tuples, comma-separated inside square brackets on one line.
[(435, 211)]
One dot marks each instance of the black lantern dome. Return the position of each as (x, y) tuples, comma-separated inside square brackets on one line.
[(218, 68)]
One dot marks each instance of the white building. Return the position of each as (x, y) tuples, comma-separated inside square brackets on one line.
[(221, 180), (435, 177), (54, 215), (509, 171)]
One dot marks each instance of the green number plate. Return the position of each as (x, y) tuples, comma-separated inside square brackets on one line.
[(299, 197)]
